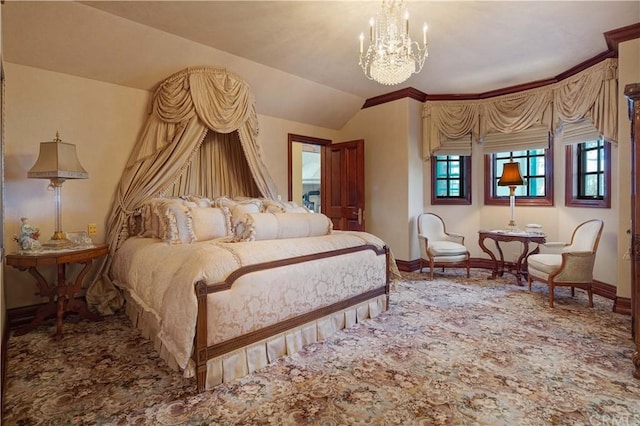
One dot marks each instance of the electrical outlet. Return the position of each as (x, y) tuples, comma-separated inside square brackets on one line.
[(92, 229)]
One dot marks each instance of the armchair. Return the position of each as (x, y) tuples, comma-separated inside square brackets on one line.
[(573, 267), (440, 247)]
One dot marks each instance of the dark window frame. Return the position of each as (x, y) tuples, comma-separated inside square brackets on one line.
[(465, 184), (572, 175), (490, 184)]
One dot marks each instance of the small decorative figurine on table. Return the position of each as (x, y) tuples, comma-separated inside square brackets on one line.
[(29, 234)]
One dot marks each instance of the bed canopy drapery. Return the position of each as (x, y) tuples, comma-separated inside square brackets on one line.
[(189, 107)]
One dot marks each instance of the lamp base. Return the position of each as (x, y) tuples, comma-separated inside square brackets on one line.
[(58, 240), (512, 225)]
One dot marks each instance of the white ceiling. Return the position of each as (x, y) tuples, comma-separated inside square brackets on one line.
[(474, 47)]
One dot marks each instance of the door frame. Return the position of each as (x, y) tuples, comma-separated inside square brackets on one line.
[(291, 138)]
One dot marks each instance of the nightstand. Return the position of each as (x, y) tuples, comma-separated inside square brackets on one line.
[(62, 296)]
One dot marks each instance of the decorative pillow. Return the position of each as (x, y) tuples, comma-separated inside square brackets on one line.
[(271, 226), (223, 201), (168, 219), (199, 200), (274, 206), (176, 221), (211, 222), (241, 208)]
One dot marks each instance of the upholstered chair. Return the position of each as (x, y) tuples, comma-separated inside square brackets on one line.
[(438, 247), (573, 266)]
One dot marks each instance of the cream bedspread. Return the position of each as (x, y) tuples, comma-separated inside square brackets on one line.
[(161, 278)]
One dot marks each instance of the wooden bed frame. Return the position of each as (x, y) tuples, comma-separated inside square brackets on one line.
[(202, 352)]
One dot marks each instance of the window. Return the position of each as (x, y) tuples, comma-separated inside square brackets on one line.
[(588, 174), (536, 167), (450, 179)]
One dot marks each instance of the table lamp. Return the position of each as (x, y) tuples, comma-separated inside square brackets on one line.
[(57, 162), (511, 177)]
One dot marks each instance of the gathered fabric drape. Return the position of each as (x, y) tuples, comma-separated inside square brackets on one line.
[(515, 112), (218, 168), (185, 107), (446, 121), (592, 93)]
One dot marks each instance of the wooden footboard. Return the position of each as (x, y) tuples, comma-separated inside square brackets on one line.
[(203, 353)]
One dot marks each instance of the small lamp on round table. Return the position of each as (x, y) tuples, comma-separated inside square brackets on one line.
[(511, 177)]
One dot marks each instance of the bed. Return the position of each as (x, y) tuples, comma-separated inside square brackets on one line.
[(224, 287)]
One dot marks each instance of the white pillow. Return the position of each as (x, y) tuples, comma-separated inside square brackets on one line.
[(270, 226), (211, 222)]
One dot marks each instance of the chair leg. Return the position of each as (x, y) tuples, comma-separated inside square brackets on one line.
[(590, 297), (468, 268), (551, 295), (431, 268), (529, 281), (573, 292)]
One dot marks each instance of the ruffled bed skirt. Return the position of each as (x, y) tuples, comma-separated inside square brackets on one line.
[(255, 356)]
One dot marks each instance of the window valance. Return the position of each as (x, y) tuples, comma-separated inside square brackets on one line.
[(591, 93), (447, 121), (459, 146), (534, 137), (577, 132)]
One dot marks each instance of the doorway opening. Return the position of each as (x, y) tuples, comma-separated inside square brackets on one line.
[(305, 170)]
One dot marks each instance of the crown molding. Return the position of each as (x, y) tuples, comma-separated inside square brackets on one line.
[(613, 39), (409, 92)]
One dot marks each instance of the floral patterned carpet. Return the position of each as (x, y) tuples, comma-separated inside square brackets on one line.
[(451, 351)]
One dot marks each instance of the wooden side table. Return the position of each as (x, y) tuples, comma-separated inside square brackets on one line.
[(62, 296), (507, 236)]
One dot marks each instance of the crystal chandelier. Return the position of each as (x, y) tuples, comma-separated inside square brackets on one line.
[(392, 57)]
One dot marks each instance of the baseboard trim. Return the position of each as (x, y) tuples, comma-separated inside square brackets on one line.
[(23, 315), (605, 290), (3, 360), (408, 266), (414, 265), (622, 305)]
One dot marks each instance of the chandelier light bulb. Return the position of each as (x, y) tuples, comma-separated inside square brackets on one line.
[(391, 56)]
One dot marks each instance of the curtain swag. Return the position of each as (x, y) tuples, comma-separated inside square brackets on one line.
[(591, 94)]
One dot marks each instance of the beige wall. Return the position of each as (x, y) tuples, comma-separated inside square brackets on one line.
[(101, 119), (384, 129), (296, 172)]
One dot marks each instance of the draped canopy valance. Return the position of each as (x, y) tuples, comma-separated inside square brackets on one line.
[(183, 109), (591, 94)]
